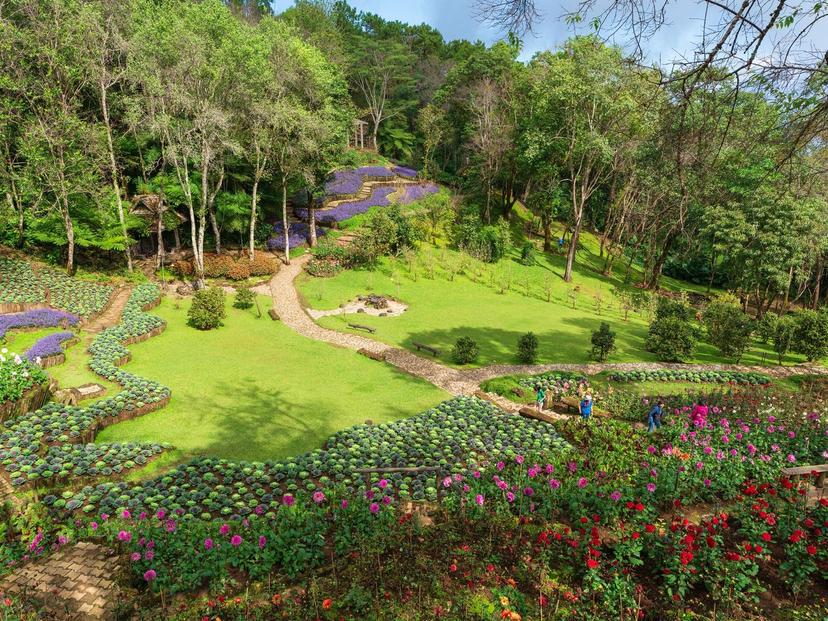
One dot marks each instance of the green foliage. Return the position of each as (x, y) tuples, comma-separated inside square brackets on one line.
[(465, 350), (385, 232), (811, 334), (207, 309), (783, 336), (527, 254), (245, 297), (672, 335), (527, 348), (766, 327), (603, 342), (435, 216), (488, 243), (728, 328)]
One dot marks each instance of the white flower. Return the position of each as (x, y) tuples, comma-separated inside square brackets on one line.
[(5, 350)]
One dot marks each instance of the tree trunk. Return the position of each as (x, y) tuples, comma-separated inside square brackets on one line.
[(311, 221), (817, 284), (214, 225), (547, 234), (116, 186), (787, 299), (285, 220), (160, 250), (251, 251), (70, 239), (177, 239), (573, 245), (658, 266)]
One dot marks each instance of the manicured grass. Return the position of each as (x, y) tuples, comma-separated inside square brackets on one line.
[(18, 341), (495, 305), (255, 390)]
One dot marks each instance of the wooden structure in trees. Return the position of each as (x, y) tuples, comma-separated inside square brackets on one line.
[(357, 139)]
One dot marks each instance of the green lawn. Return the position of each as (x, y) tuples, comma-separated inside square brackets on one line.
[(495, 304), (255, 390)]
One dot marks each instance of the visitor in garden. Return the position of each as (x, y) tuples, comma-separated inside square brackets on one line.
[(540, 396), (560, 244), (586, 407), (654, 417), (699, 414)]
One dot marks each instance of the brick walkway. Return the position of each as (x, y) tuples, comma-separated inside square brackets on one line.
[(76, 583)]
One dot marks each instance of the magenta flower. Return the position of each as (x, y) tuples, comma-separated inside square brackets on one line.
[(519, 459), (582, 482), (554, 483), (235, 541), (288, 500), (149, 575), (500, 466), (318, 497), (149, 555), (374, 508), (447, 482), (126, 514), (160, 514), (528, 491), (510, 496), (383, 484), (479, 499), (208, 544), (707, 482), (344, 504), (616, 495), (135, 557), (125, 536), (93, 525), (225, 528), (262, 541), (651, 487)]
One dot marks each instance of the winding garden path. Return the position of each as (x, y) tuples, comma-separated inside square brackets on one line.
[(287, 303)]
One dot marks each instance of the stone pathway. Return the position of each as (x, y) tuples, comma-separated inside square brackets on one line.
[(76, 583), (463, 381), (111, 314)]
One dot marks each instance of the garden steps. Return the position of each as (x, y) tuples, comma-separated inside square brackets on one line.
[(76, 582)]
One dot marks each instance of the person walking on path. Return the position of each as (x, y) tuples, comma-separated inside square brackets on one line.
[(654, 417), (585, 407), (540, 397)]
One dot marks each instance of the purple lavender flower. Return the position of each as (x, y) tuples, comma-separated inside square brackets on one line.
[(298, 233), (416, 192), (49, 345), (343, 211), (39, 318), (402, 171)]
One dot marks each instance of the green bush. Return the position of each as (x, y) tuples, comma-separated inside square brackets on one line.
[(672, 335), (207, 310), (527, 254), (603, 342), (766, 327), (783, 336), (728, 328), (488, 243), (244, 297), (465, 350), (527, 348), (810, 337)]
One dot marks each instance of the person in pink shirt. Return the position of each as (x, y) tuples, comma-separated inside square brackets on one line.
[(699, 414)]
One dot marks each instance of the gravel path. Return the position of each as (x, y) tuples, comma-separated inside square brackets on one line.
[(463, 381)]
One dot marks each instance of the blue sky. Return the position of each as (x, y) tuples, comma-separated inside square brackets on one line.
[(455, 19)]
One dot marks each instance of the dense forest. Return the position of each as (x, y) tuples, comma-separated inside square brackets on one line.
[(208, 115)]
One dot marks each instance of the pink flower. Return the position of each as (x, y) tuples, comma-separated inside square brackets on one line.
[(447, 482), (288, 500), (344, 504), (791, 458), (149, 555), (479, 500), (707, 482), (235, 541), (582, 482), (125, 536), (208, 544), (149, 575), (318, 497), (135, 557), (616, 495), (500, 466), (160, 514), (374, 508), (651, 487), (554, 483), (383, 484), (519, 459), (225, 528), (93, 526), (126, 514), (386, 500), (262, 541), (510, 496)]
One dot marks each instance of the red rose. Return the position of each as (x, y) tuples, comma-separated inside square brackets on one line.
[(686, 557), (766, 536), (711, 543), (452, 567), (811, 549), (327, 603), (650, 528), (592, 563), (636, 535), (758, 549)]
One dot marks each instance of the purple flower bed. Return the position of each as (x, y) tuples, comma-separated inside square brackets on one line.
[(40, 318), (402, 171), (48, 346), (416, 192), (343, 211), (298, 233), (347, 182)]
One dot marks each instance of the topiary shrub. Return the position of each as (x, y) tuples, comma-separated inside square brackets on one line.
[(527, 348), (465, 350), (527, 254), (239, 270), (244, 297), (207, 310), (603, 342)]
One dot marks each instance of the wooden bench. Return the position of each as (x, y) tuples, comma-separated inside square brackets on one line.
[(422, 346), (804, 471), (357, 326)]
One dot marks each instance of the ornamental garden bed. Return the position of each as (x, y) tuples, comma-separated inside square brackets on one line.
[(690, 375), (33, 399)]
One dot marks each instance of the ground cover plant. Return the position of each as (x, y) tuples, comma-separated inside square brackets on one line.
[(20, 283), (50, 345), (38, 318), (680, 375)]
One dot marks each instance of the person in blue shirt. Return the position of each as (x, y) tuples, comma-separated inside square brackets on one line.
[(540, 397), (560, 244), (654, 417), (585, 407)]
